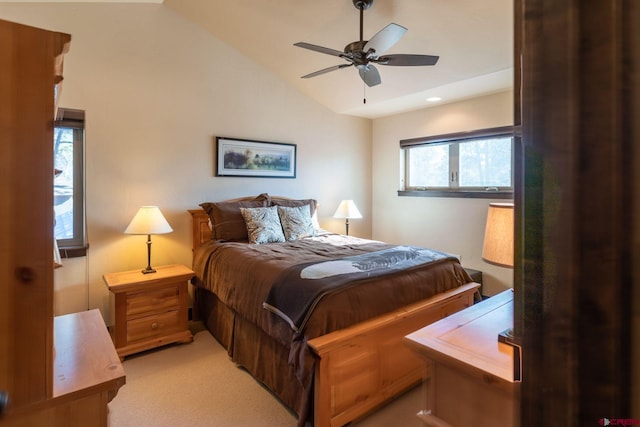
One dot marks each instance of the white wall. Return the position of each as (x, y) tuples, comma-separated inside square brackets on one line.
[(157, 90), (450, 224)]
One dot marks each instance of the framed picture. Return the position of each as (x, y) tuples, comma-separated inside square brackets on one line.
[(247, 158)]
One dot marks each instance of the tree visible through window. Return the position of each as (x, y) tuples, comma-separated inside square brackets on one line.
[(485, 163), (68, 182)]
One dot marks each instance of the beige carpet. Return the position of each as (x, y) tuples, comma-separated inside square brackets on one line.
[(197, 385)]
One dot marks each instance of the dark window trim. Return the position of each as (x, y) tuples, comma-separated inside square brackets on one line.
[(458, 136), (73, 251), (458, 194)]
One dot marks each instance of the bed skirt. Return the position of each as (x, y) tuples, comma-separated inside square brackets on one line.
[(249, 347)]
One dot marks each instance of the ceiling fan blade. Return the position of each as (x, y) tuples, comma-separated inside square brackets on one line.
[(370, 75), (326, 70), (407, 60), (385, 38), (320, 49)]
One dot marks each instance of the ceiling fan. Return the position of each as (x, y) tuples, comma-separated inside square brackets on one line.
[(364, 53)]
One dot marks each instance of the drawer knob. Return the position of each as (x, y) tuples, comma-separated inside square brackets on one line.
[(25, 274), (154, 325)]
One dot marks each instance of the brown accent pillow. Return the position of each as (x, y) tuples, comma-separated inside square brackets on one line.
[(226, 218), (295, 203)]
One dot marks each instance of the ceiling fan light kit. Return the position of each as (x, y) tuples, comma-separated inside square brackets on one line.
[(363, 54)]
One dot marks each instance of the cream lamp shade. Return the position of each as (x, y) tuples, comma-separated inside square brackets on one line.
[(347, 209), (498, 235), (148, 220)]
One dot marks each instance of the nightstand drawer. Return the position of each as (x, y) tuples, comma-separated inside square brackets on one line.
[(151, 302), (152, 326)]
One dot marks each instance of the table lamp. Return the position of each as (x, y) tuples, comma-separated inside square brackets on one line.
[(148, 220), (498, 245), (347, 209), (498, 235)]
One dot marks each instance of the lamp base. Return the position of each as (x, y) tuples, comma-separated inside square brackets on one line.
[(148, 269)]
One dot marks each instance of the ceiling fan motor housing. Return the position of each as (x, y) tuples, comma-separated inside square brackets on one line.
[(362, 4), (356, 52)]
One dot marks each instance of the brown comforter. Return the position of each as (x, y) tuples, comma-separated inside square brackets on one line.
[(241, 275)]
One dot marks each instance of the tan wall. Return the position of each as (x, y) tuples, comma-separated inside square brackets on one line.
[(451, 224), (157, 90)]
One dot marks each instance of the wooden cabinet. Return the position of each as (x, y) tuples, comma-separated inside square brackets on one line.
[(150, 310), (47, 367), (87, 375), (471, 378), (28, 75)]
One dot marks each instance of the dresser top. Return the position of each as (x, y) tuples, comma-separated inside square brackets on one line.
[(468, 339), (84, 357)]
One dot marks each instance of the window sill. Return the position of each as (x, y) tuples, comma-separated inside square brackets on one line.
[(73, 251), (458, 194)]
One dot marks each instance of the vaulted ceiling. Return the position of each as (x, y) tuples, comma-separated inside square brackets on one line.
[(474, 40)]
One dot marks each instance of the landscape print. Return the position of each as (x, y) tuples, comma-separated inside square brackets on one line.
[(237, 157)]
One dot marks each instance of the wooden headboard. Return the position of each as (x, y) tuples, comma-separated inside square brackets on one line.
[(200, 227)]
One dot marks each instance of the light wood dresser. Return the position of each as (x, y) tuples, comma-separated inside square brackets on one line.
[(87, 375), (150, 310), (471, 381)]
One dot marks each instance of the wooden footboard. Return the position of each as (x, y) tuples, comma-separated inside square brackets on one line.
[(365, 365)]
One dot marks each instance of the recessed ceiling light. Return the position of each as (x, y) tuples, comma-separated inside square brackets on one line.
[(434, 99)]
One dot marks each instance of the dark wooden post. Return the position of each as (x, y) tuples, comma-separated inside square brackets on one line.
[(578, 213)]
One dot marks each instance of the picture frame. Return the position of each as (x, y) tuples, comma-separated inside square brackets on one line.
[(257, 159)]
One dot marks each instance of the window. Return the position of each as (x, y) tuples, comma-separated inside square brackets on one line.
[(68, 182), (467, 164)]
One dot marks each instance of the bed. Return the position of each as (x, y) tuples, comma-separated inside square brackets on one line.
[(343, 357)]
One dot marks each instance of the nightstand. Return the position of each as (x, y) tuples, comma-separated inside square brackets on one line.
[(476, 276), (149, 310)]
